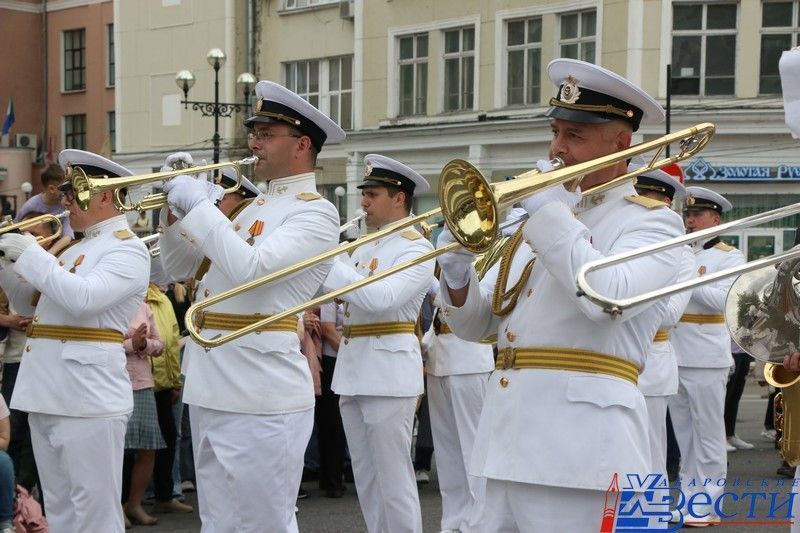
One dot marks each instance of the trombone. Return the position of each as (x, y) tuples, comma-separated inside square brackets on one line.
[(6, 225), (87, 186), (155, 251), (468, 202), (615, 306)]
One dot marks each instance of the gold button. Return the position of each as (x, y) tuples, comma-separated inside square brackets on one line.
[(510, 336), (183, 233), (237, 227), (260, 201), (206, 293), (36, 318), (61, 263), (28, 348), (446, 312), (346, 341), (504, 382), (347, 314), (530, 291)]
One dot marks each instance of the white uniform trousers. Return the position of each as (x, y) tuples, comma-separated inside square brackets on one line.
[(378, 430), (455, 404), (80, 465), (697, 412), (529, 508), (248, 469), (657, 431), (795, 527)]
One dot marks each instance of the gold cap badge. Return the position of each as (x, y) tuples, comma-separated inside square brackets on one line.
[(368, 170), (259, 104), (690, 199), (569, 91)]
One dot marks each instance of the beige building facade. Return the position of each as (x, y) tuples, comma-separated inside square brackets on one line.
[(427, 81)]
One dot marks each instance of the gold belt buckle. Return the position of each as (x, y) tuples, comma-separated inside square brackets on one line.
[(346, 331), (509, 357)]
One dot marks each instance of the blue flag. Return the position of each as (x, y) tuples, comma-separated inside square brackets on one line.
[(10, 118)]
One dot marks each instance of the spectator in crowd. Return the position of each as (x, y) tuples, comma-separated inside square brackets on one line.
[(733, 393), (49, 200), (6, 473), (143, 436), (330, 432)]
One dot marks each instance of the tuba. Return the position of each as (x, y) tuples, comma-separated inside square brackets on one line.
[(762, 313)]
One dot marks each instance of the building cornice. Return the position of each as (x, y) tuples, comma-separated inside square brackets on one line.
[(52, 5)]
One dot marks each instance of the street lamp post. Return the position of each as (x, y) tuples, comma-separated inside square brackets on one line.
[(185, 80)]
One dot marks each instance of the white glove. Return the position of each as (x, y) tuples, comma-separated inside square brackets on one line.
[(183, 159), (455, 265), (185, 193), (544, 165), (549, 196), (13, 244)]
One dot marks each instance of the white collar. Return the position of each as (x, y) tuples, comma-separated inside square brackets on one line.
[(109, 224), (291, 185)]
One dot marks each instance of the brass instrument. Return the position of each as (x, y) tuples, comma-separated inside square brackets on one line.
[(155, 250), (87, 186), (762, 312), (615, 306), (355, 222), (470, 206), (7, 226)]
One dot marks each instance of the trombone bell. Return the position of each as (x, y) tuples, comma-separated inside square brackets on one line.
[(6, 226)]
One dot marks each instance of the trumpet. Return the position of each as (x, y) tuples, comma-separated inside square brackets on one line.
[(470, 206), (155, 250), (355, 222), (87, 186), (7, 226)]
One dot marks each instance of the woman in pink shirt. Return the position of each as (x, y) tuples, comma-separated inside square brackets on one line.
[(143, 436)]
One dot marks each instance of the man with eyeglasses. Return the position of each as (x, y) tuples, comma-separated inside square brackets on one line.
[(251, 400), (72, 380)]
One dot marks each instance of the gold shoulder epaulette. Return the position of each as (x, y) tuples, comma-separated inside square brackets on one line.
[(411, 235), (724, 247), (124, 234), (649, 203), (308, 196)]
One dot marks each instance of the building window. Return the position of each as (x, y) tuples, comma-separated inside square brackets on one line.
[(579, 35), (110, 53), (112, 129), (327, 84), (75, 131), (780, 22), (523, 61), (459, 69), (703, 49), (74, 60), (299, 4), (413, 63)]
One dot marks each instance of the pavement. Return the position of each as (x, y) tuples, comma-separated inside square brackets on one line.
[(324, 515)]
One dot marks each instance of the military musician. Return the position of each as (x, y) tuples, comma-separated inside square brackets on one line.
[(72, 380), (562, 414), (251, 400), (379, 366)]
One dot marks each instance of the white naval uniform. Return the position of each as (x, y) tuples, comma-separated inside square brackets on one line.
[(457, 372), (704, 358), (541, 429), (252, 398), (78, 393), (380, 377), (659, 380)]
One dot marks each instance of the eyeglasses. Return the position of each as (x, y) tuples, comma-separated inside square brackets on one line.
[(266, 135), (68, 195)]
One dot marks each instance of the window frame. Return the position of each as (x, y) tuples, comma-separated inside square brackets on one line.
[(323, 93), (792, 30), (462, 56), (81, 53), (526, 48), (67, 121), (111, 65), (294, 5), (580, 40), (704, 33), (111, 129), (417, 62)]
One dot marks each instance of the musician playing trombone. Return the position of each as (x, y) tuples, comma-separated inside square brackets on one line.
[(251, 400), (562, 416), (72, 380), (379, 366)]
